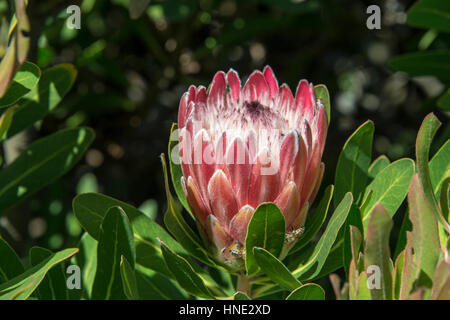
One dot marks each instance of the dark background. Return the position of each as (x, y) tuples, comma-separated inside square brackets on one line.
[(132, 73)]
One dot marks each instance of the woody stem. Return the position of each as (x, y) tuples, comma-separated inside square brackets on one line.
[(243, 284)]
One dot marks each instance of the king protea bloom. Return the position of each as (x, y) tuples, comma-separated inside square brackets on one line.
[(242, 146)]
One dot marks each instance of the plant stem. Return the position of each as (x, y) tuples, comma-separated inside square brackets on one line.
[(243, 284)]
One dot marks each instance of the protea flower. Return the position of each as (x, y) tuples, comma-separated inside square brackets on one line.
[(242, 146)]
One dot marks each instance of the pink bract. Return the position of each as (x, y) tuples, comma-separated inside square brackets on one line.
[(242, 146)]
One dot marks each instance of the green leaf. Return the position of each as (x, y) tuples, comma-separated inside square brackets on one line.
[(440, 168), (353, 220), (363, 292), (175, 167), (178, 227), (154, 286), (389, 188), (5, 121), (323, 95), (90, 209), (53, 286), (376, 251), (86, 259), (429, 63), (430, 14), (424, 138), (397, 275), (21, 287), (42, 163), (424, 237), (353, 164), (116, 240), (315, 221), (185, 275), (275, 269), (267, 230), (240, 296), (50, 90), (309, 291), (444, 101), (317, 258), (377, 165), (10, 265), (23, 82), (128, 279)]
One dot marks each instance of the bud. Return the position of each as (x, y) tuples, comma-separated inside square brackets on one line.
[(240, 147)]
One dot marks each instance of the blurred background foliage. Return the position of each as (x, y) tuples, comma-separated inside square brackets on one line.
[(134, 65)]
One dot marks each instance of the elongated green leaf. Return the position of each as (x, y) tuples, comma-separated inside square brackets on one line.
[(51, 88), (389, 188), (90, 209), (323, 95), (185, 275), (86, 259), (440, 168), (53, 286), (353, 164), (397, 275), (5, 121), (315, 221), (241, 296), (22, 286), (116, 240), (175, 167), (424, 237), (444, 101), (376, 251), (424, 138), (10, 265), (154, 286), (41, 163), (363, 289), (432, 14), (309, 291), (429, 63), (23, 82), (128, 279), (377, 165), (317, 258), (275, 269), (266, 229)]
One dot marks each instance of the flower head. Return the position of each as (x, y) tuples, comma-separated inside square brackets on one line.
[(242, 146)]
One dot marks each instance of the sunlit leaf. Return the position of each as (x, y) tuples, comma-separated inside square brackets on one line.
[(389, 188), (22, 286), (309, 291), (53, 286), (266, 229), (353, 164), (275, 269)]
